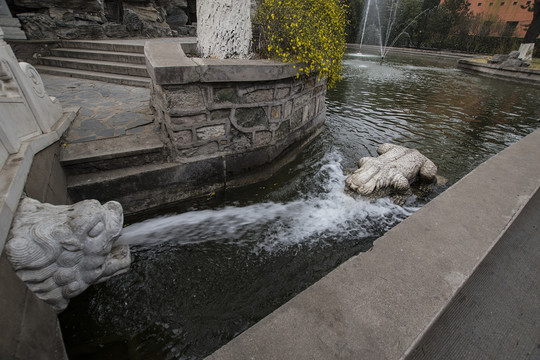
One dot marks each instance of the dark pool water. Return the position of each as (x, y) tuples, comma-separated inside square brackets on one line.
[(206, 270)]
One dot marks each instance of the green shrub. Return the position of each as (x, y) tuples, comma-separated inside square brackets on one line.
[(308, 32)]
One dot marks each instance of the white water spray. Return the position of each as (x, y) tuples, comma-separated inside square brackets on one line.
[(273, 226)]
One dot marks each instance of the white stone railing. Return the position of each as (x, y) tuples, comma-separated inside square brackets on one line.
[(30, 121)]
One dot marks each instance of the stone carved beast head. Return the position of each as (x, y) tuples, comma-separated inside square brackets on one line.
[(58, 251)]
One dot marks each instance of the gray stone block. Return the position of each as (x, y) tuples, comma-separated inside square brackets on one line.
[(239, 142), (282, 93), (179, 123), (275, 112), (183, 138), (283, 130), (226, 95), (288, 109), (205, 150), (259, 96), (210, 132), (186, 97), (251, 117), (263, 138), (301, 100), (297, 118), (220, 115)]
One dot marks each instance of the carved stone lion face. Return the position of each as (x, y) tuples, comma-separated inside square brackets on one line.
[(60, 250)]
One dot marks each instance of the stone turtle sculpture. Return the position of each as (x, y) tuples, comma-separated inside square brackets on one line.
[(58, 251), (392, 173)]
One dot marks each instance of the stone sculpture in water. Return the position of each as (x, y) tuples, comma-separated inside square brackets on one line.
[(392, 173), (58, 251)]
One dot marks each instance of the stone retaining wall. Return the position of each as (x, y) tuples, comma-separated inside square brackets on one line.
[(245, 112), (519, 74)]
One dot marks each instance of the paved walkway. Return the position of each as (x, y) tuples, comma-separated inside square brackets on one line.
[(496, 315), (107, 110)]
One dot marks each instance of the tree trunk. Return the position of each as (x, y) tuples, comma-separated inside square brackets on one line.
[(534, 27), (223, 28)]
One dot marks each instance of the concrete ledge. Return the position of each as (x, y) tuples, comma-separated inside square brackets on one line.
[(16, 169), (168, 65), (378, 304), (516, 74)]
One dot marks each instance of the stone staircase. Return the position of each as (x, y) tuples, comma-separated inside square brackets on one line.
[(91, 167), (113, 62)]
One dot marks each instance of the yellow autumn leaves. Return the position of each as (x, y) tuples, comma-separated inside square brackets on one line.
[(308, 32)]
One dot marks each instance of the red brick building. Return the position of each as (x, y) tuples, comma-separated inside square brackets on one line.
[(503, 17)]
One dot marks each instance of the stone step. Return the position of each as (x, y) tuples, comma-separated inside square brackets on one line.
[(120, 46), (99, 55), (97, 66), (93, 75), (132, 186), (112, 153)]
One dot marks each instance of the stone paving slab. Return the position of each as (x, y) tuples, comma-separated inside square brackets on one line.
[(107, 110), (109, 148)]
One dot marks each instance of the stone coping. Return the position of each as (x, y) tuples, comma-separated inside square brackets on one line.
[(377, 305), (516, 74), (421, 52), (168, 65), (16, 169)]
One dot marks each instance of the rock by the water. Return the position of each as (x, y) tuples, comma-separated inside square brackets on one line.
[(94, 6), (115, 30), (515, 63), (392, 173), (81, 30), (132, 22), (498, 58), (176, 18), (513, 54), (510, 60), (96, 19), (38, 26)]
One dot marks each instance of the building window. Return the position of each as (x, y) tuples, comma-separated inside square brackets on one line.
[(515, 3), (502, 3), (490, 4), (479, 4)]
